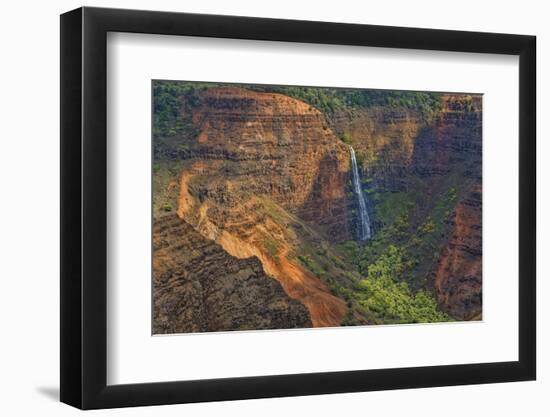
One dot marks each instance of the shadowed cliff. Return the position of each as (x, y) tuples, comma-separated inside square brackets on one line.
[(198, 287)]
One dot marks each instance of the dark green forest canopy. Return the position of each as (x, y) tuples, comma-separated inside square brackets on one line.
[(170, 96)]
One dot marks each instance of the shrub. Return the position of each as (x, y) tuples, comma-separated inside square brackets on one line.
[(346, 138), (389, 300)]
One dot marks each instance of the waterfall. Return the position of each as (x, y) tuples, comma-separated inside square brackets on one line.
[(364, 231)]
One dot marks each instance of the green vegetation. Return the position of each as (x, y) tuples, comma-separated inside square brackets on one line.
[(312, 265), (392, 282), (385, 281), (329, 100), (272, 247), (349, 250), (361, 158), (168, 100), (385, 301), (392, 206), (173, 126), (417, 227), (165, 195), (346, 138), (383, 298), (382, 294), (174, 101)]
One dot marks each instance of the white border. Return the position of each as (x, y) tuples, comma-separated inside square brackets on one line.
[(134, 356)]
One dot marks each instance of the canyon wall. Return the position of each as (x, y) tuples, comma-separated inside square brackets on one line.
[(402, 152), (458, 276), (264, 166), (198, 287), (384, 139), (274, 145)]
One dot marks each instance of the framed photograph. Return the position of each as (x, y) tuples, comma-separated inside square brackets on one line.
[(257, 208)]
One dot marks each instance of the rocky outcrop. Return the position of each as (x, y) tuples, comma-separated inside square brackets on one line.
[(452, 143), (265, 164), (454, 148), (459, 275), (198, 287), (254, 226), (396, 145), (384, 139), (273, 145)]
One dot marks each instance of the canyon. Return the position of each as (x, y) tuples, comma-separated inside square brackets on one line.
[(262, 182)]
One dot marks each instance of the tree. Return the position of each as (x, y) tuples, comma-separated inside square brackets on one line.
[(388, 300)]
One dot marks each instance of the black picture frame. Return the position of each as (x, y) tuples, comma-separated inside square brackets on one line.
[(84, 207)]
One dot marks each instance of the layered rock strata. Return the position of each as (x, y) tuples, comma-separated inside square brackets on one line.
[(261, 158), (199, 287), (458, 277)]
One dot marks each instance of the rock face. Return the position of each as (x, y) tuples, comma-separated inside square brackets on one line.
[(452, 143), (456, 149), (458, 277), (273, 145), (385, 138), (198, 287), (264, 164)]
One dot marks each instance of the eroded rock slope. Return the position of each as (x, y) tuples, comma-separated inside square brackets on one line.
[(198, 287)]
